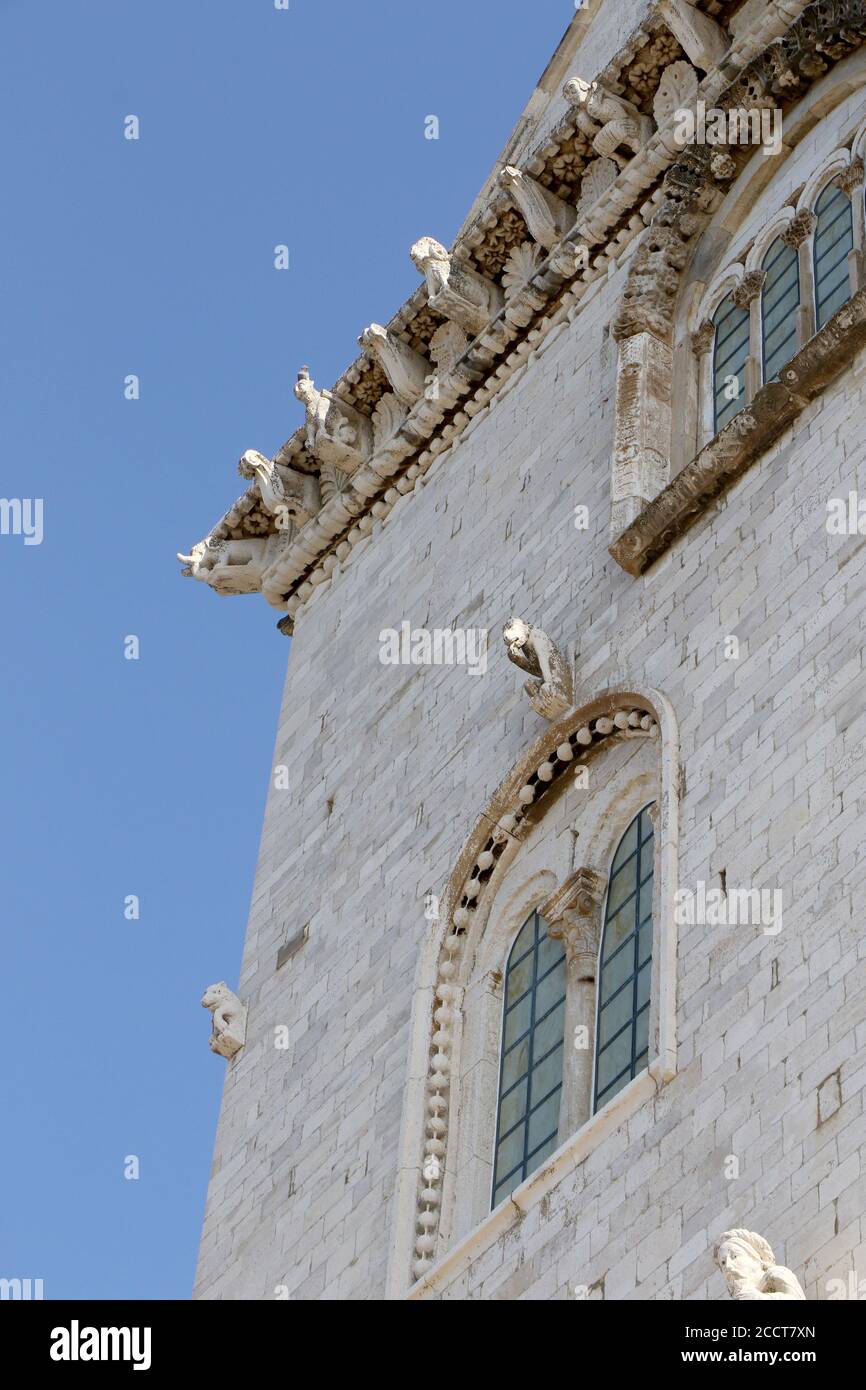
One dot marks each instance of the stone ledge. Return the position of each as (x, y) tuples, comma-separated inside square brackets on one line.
[(744, 439)]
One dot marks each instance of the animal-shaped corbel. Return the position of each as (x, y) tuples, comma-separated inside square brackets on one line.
[(455, 290), (229, 1019), (406, 369), (337, 433), (233, 566), (609, 121), (289, 495), (551, 693)]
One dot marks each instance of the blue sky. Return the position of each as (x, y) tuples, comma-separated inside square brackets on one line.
[(155, 257)]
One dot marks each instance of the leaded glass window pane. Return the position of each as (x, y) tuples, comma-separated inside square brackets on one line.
[(834, 239), (626, 963), (780, 300), (530, 1081), (730, 350)]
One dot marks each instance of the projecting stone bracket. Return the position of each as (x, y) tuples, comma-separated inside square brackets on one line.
[(229, 1019)]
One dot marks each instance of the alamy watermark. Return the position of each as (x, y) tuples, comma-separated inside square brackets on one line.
[(22, 516), (740, 126), (731, 907), (438, 646)]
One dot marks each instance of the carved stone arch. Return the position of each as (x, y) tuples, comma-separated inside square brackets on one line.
[(770, 232), (720, 286), (521, 801), (826, 172)]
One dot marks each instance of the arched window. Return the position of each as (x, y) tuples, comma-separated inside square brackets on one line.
[(834, 239), (780, 301), (622, 1044), (530, 1077), (730, 350)]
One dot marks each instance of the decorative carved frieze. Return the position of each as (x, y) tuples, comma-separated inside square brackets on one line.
[(337, 433), (551, 692), (547, 216), (607, 120), (454, 290), (406, 369), (676, 91)]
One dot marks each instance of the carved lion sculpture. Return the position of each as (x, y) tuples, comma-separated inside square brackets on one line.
[(551, 693), (750, 1270), (229, 1019)]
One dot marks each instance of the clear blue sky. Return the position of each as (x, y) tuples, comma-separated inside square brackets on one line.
[(148, 777)]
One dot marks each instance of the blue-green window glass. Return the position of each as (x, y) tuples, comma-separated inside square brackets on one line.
[(530, 1078), (833, 240), (730, 350), (780, 300), (622, 1041)]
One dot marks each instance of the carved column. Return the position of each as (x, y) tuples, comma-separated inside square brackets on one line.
[(703, 339), (573, 916), (747, 295), (851, 183), (798, 234), (642, 443)]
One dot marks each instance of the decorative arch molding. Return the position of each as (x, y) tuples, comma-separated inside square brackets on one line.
[(648, 510), (425, 1183)]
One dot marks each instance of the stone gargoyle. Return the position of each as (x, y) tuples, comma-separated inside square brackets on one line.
[(289, 495), (234, 566), (551, 693), (608, 120), (750, 1270), (337, 433), (229, 1019)]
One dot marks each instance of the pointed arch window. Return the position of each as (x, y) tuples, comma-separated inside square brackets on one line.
[(530, 1073), (622, 1040), (780, 300), (730, 350), (833, 242)]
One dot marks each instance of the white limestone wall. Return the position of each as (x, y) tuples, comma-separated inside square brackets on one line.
[(389, 768)]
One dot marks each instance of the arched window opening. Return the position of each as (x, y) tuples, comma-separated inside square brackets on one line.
[(780, 301), (530, 1078), (730, 350), (622, 1041), (834, 240)]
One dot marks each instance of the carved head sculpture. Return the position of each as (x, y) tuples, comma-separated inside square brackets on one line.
[(373, 337), (305, 388), (253, 464), (516, 634), (750, 1270), (201, 558), (576, 91), (427, 253), (214, 995)]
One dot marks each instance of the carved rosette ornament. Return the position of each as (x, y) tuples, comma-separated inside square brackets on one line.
[(750, 1270)]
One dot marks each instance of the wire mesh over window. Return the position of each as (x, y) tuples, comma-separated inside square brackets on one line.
[(780, 301), (730, 350), (622, 1041), (530, 1079), (834, 239)]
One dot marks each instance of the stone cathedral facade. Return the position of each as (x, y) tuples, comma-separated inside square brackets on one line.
[(556, 961)]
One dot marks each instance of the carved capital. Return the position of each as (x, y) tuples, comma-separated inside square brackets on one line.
[(703, 338), (547, 216), (749, 288), (799, 229), (454, 290), (406, 369), (851, 178), (573, 916)]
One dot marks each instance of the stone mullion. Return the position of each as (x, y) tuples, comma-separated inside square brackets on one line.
[(798, 234)]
